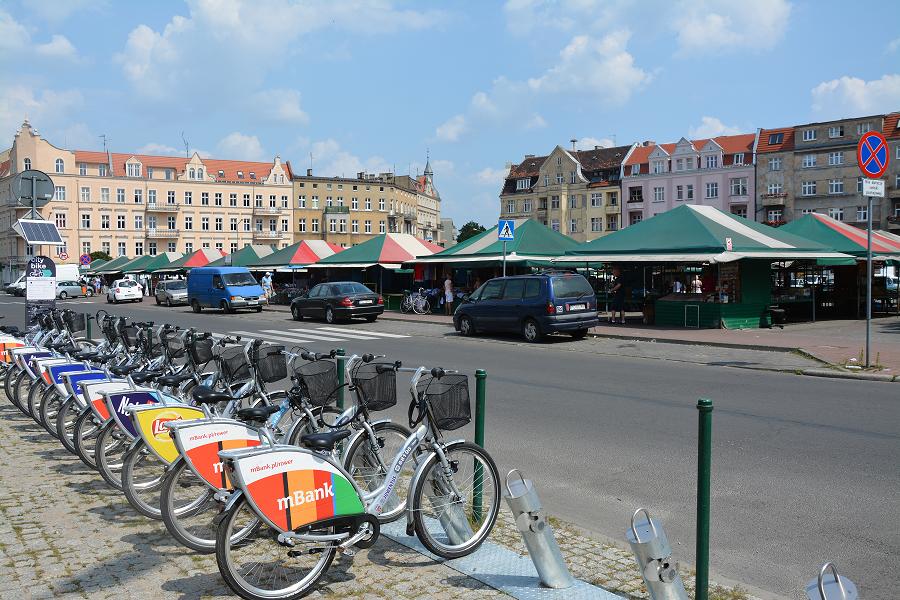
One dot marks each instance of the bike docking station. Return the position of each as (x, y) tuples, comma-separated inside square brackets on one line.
[(837, 587), (654, 558)]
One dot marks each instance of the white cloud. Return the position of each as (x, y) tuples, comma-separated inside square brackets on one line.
[(602, 68), (714, 26), (59, 46), (48, 108), (711, 127), (535, 122), (588, 143), (854, 96), (160, 149), (526, 17), (451, 129), (279, 105), (238, 146), (490, 176), (330, 159), (13, 35), (60, 10)]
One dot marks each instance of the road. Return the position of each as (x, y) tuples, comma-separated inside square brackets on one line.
[(804, 469)]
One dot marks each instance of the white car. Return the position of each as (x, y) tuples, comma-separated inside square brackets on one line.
[(124, 289)]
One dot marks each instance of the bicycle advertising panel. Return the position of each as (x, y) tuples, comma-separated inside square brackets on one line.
[(53, 374), (151, 422), (93, 392), (39, 367), (118, 404), (199, 443), (8, 343), (293, 487), (22, 358), (68, 381)]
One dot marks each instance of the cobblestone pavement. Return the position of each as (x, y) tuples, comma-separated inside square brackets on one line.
[(65, 534)]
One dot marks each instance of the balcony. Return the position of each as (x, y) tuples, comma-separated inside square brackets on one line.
[(162, 207), (269, 235), (773, 199), (337, 210), (267, 210), (162, 233), (635, 199)]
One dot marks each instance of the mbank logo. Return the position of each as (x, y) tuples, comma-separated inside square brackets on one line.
[(300, 497)]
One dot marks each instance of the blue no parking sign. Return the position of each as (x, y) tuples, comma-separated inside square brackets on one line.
[(872, 155)]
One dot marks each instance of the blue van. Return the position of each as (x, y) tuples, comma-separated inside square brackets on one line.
[(533, 305), (226, 288)]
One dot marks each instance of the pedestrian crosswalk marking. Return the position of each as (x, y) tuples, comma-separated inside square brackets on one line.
[(349, 335), (246, 335), (340, 331), (303, 334)]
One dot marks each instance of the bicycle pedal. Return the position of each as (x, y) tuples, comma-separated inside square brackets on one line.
[(348, 552)]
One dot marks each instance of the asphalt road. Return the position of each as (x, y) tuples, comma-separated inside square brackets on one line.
[(804, 469)]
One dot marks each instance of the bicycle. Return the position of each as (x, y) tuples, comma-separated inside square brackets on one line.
[(289, 497), (417, 303)]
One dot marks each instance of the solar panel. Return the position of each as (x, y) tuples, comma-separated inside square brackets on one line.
[(39, 232)]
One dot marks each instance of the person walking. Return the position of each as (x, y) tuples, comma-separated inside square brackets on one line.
[(618, 294), (696, 285), (678, 287), (267, 285), (448, 294)]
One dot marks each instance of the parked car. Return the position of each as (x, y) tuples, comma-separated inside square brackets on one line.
[(124, 289), (17, 287), (226, 288), (172, 292), (338, 301), (72, 289), (533, 305)]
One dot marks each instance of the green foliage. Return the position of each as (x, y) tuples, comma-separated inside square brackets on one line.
[(100, 255), (469, 230)]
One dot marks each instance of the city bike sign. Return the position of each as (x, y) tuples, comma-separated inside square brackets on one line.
[(872, 155)]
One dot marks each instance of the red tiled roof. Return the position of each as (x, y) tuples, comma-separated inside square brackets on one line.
[(213, 166), (892, 125), (731, 144), (590, 160), (530, 167), (4, 168), (786, 144)]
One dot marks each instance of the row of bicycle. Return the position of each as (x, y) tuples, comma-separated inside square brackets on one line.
[(275, 482)]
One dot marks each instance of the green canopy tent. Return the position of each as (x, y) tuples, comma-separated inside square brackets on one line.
[(92, 268), (297, 256), (843, 237), (736, 253), (113, 266), (198, 258), (244, 257), (137, 265), (160, 261)]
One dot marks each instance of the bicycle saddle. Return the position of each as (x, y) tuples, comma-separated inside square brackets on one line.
[(324, 441), (86, 355), (257, 413), (203, 394), (140, 377), (173, 380), (122, 370)]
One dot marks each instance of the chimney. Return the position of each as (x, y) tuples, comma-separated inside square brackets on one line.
[(309, 172), (598, 147), (648, 143), (529, 156), (574, 141)]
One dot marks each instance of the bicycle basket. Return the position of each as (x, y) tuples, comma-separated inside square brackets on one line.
[(271, 363), (109, 331), (201, 350), (234, 363), (75, 322), (129, 335), (150, 343), (173, 343), (377, 391), (449, 400), (318, 381), (58, 321)]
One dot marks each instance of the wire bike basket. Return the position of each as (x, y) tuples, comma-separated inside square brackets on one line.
[(174, 344), (449, 400), (271, 363), (318, 381), (376, 391), (129, 335), (200, 350), (234, 363), (75, 322)]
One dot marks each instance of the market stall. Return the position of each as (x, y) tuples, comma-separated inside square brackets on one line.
[(244, 257), (199, 258), (289, 265), (724, 260)]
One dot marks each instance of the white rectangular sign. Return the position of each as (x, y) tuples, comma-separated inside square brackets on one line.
[(873, 187)]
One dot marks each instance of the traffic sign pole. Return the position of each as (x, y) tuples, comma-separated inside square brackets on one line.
[(868, 281), (504, 259)]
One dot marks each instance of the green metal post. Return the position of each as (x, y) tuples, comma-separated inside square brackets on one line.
[(704, 467), (341, 378), (480, 393), (89, 318)]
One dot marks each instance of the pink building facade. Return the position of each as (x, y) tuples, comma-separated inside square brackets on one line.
[(716, 172)]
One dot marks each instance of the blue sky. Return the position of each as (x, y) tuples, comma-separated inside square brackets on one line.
[(372, 85)]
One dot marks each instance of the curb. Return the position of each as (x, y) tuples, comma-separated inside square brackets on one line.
[(849, 375), (632, 338)]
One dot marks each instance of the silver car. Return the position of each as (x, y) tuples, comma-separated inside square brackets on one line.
[(171, 292), (72, 289)]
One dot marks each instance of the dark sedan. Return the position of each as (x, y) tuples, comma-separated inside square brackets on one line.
[(338, 301)]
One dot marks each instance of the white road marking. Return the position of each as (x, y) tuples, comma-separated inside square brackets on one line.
[(363, 331), (249, 336), (303, 333)]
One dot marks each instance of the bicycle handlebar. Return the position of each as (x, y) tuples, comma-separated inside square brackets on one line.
[(314, 356)]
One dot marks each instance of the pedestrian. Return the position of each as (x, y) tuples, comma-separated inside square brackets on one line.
[(267, 285), (696, 285), (448, 294), (678, 287), (618, 294)]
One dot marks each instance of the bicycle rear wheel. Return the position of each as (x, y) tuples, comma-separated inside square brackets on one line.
[(49, 407), (188, 509), (65, 423), (84, 437), (142, 476), (19, 395), (452, 525), (109, 453), (258, 567), (406, 305)]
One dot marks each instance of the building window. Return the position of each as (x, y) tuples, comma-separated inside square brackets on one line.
[(204, 198), (554, 202), (381, 227), (808, 188), (367, 226), (105, 246), (523, 184), (546, 180), (139, 248), (120, 248), (59, 193), (60, 220), (188, 247), (219, 225), (554, 224), (151, 196), (712, 161), (835, 186), (172, 247), (314, 226), (168, 173), (859, 185), (354, 203), (139, 221), (133, 169), (836, 213), (26, 163), (635, 194), (120, 195), (636, 218), (559, 178), (573, 226), (103, 170), (863, 128), (368, 204), (232, 199), (301, 225), (170, 222), (659, 166), (679, 164), (151, 222), (380, 204), (690, 191), (775, 188), (204, 223), (739, 158), (835, 158), (188, 222), (85, 248), (596, 199), (510, 206), (342, 226), (659, 194), (596, 224), (120, 221), (775, 164), (59, 165), (301, 201), (612, 222), (151, 248), (82, 169), (712, 190), (138, 196), (218, 199), (85, 194), (836, 131), (332, 226), (809, 135), (104, 221), (542, 204), (612, 198), (104, 195), (809, 161), (315, 202), (774, 215), (862, 214), (636, 169), (573, 201), (679, 192), (188, 198), (739, 186), (573, 176), (739, 211), (526, 205), (776, 138), (170, 197), (354, 226)]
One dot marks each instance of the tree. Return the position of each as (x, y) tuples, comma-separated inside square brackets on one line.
[(100, 255), (469, 230)]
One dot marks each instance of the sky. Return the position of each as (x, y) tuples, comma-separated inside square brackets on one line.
[(354, 85)]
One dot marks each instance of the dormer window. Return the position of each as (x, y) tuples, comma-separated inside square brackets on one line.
[(523, 184), (200, 173), (221, 173), (252, 175), (82, 169), (776, 138), (739, 158), (103, 169), (27, 164), (635, 169), (240, 174), (712, 161), (192, 174), (133, 169)]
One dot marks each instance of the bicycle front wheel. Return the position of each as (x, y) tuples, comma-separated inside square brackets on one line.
[(454, 512), (406, 305), (142, 476), (258, 567), (189, 509), (49, 407), (20, 392), (109, 453), (368, 461), (65, 423), (84, 437)]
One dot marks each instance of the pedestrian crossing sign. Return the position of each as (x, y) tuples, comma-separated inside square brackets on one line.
[(506, 229)]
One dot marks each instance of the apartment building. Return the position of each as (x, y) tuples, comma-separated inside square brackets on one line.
[(813, 168), (134, 204), (449, 232), (715, 172), (575, 192), (349, 211)]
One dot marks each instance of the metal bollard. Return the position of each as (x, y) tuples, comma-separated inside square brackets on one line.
[(654, 558), (341, 361), (839, 588), (525, 505), (451, 513)]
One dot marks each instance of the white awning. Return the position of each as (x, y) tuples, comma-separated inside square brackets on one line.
[(720, 257)]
